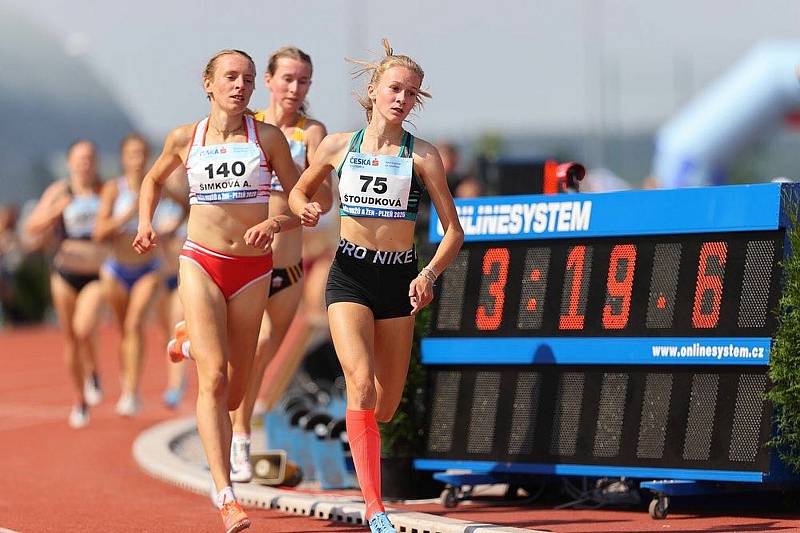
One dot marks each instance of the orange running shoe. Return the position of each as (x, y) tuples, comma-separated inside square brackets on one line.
[(175, 345), (234, 518)]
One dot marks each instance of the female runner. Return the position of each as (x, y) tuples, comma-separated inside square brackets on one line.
[(226, 262), (131, 282), (71, 206), (288, 79), (374, 287)]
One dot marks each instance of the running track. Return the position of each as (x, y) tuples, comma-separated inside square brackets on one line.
[(53, 478)]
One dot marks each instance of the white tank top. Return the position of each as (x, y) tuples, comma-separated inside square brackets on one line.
[(297, 146), (122, 204), (79, 216), (230, 173), (167, 214), (298, 150)]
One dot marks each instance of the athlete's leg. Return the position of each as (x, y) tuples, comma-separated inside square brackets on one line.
[(205, 312), (245, 312), (87, 316), (88, 308), (143, 294), (393, 338), (116, 294), (64, 298), (280, 312), (353, 331), (171, 313), (314, 292)]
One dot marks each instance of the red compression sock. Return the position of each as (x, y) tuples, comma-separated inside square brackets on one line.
[(365, 447)]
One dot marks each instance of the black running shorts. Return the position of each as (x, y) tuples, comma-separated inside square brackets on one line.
[(376, 279)]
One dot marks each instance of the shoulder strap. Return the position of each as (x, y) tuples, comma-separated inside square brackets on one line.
[(250, 127), (354, 146), (356, 140), (407, 145), (299, 133), (200, 132)]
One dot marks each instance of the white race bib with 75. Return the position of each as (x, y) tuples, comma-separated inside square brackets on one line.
[(375, 185)]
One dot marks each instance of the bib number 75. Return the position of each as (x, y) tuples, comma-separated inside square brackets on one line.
[(378, 184)]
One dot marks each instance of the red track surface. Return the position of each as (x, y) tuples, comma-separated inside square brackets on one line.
[(53, 478)]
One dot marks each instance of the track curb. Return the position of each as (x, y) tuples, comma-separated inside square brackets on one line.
[(154, 448)]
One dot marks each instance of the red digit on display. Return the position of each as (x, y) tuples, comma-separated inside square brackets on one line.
[(484, 320), (575, 264), (618, 295), (708, 293)]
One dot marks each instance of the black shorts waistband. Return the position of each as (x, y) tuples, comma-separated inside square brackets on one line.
[(349, 250)]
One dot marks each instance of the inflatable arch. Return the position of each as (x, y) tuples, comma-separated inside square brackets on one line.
[(755, 98)]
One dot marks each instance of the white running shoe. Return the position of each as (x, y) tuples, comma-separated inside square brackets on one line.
[(78, 416), (128, 404), (92, 392), (241, 469)]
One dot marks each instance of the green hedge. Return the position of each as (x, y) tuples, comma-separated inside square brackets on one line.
[(784, 369)]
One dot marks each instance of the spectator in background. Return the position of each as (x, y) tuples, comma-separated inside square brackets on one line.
[(650, 182), (10, 258), (603, 180), (461, 185)]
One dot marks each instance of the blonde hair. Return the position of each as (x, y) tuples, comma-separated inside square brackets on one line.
[(289, 52), (378, 68), (208, 72)]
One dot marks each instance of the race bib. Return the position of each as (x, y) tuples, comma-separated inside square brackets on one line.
[(227, 173), (375, 185), (79, 216)]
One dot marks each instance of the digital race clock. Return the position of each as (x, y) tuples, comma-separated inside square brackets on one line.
[(596, 332)]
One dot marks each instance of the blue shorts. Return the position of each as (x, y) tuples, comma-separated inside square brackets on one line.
[(171, 282), (129, 275)]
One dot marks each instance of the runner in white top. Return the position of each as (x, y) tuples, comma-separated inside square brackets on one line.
[(226, 261), (69, 207), (288, 78), (169, 222), (131, 282)]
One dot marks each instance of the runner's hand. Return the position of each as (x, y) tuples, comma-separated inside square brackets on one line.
[(310, 215), (145, 239), (261, 235), (420, 293)]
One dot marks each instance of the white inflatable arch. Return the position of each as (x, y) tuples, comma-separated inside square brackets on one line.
[(752, 100)]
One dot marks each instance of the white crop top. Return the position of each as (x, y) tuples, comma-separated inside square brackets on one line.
[(125, 200), (230, 173), (79, 216)]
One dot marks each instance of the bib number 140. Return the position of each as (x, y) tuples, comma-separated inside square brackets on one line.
[(237, 168)]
